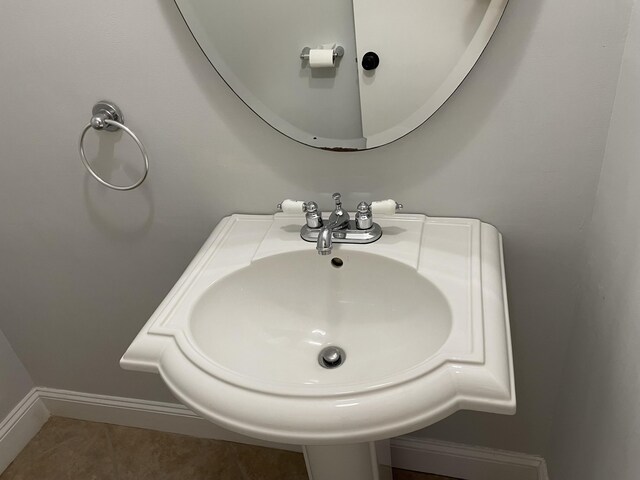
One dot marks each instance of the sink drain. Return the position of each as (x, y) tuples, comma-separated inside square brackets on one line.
[(331, 357), (336, 262)]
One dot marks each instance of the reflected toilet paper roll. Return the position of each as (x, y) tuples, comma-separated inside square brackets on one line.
[(321, 58)]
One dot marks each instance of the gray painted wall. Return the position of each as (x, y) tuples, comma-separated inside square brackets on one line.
[(598, 424), (15, 382), (520, 145)]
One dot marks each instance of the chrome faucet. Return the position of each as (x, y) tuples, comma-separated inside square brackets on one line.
[(339, 228), (338, 220)]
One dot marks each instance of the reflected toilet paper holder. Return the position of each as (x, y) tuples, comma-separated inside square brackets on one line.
[(337, 52)]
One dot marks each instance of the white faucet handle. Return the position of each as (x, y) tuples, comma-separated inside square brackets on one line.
[(292, 207), (386, 207)]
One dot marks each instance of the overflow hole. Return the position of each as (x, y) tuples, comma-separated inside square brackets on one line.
[(337, 262)]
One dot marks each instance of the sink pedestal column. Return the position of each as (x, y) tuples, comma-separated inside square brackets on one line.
[(360, 461)]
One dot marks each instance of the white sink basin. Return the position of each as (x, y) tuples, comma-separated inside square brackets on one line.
[(386, 327), (421, 315)]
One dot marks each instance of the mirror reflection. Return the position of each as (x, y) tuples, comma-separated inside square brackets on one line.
[(343, 75)]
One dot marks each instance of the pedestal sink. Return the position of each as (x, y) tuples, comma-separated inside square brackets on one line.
[(419, 320)]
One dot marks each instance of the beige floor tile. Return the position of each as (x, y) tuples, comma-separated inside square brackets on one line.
[(76, 450), (149, 455), (65, 450), (258, 463)]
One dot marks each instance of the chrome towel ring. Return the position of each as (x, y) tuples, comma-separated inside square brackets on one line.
[(107, 116)]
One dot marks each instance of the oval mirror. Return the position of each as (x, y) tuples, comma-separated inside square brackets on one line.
[(343, 75)]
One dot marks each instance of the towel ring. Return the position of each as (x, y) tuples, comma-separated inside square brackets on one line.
[(107, 116)]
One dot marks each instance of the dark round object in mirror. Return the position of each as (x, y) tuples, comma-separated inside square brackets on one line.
[(370, 61)]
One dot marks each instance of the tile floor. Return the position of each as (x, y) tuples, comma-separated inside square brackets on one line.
[(68, 449)]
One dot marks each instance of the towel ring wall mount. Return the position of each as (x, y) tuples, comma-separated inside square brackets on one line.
[(107, 116)]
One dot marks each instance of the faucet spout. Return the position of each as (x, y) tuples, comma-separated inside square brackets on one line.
[(338, 220), (325, 243)]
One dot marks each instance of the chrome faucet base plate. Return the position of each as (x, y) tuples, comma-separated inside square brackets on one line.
[(351, 234)]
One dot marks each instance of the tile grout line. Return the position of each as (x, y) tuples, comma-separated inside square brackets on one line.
[(112, 452), (239, 464)]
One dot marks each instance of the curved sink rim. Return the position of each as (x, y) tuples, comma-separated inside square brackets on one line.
[(291, 431)]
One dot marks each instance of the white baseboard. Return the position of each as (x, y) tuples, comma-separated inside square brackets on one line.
[(464, 461), (429, 456), (130, 412), (20, 426)]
